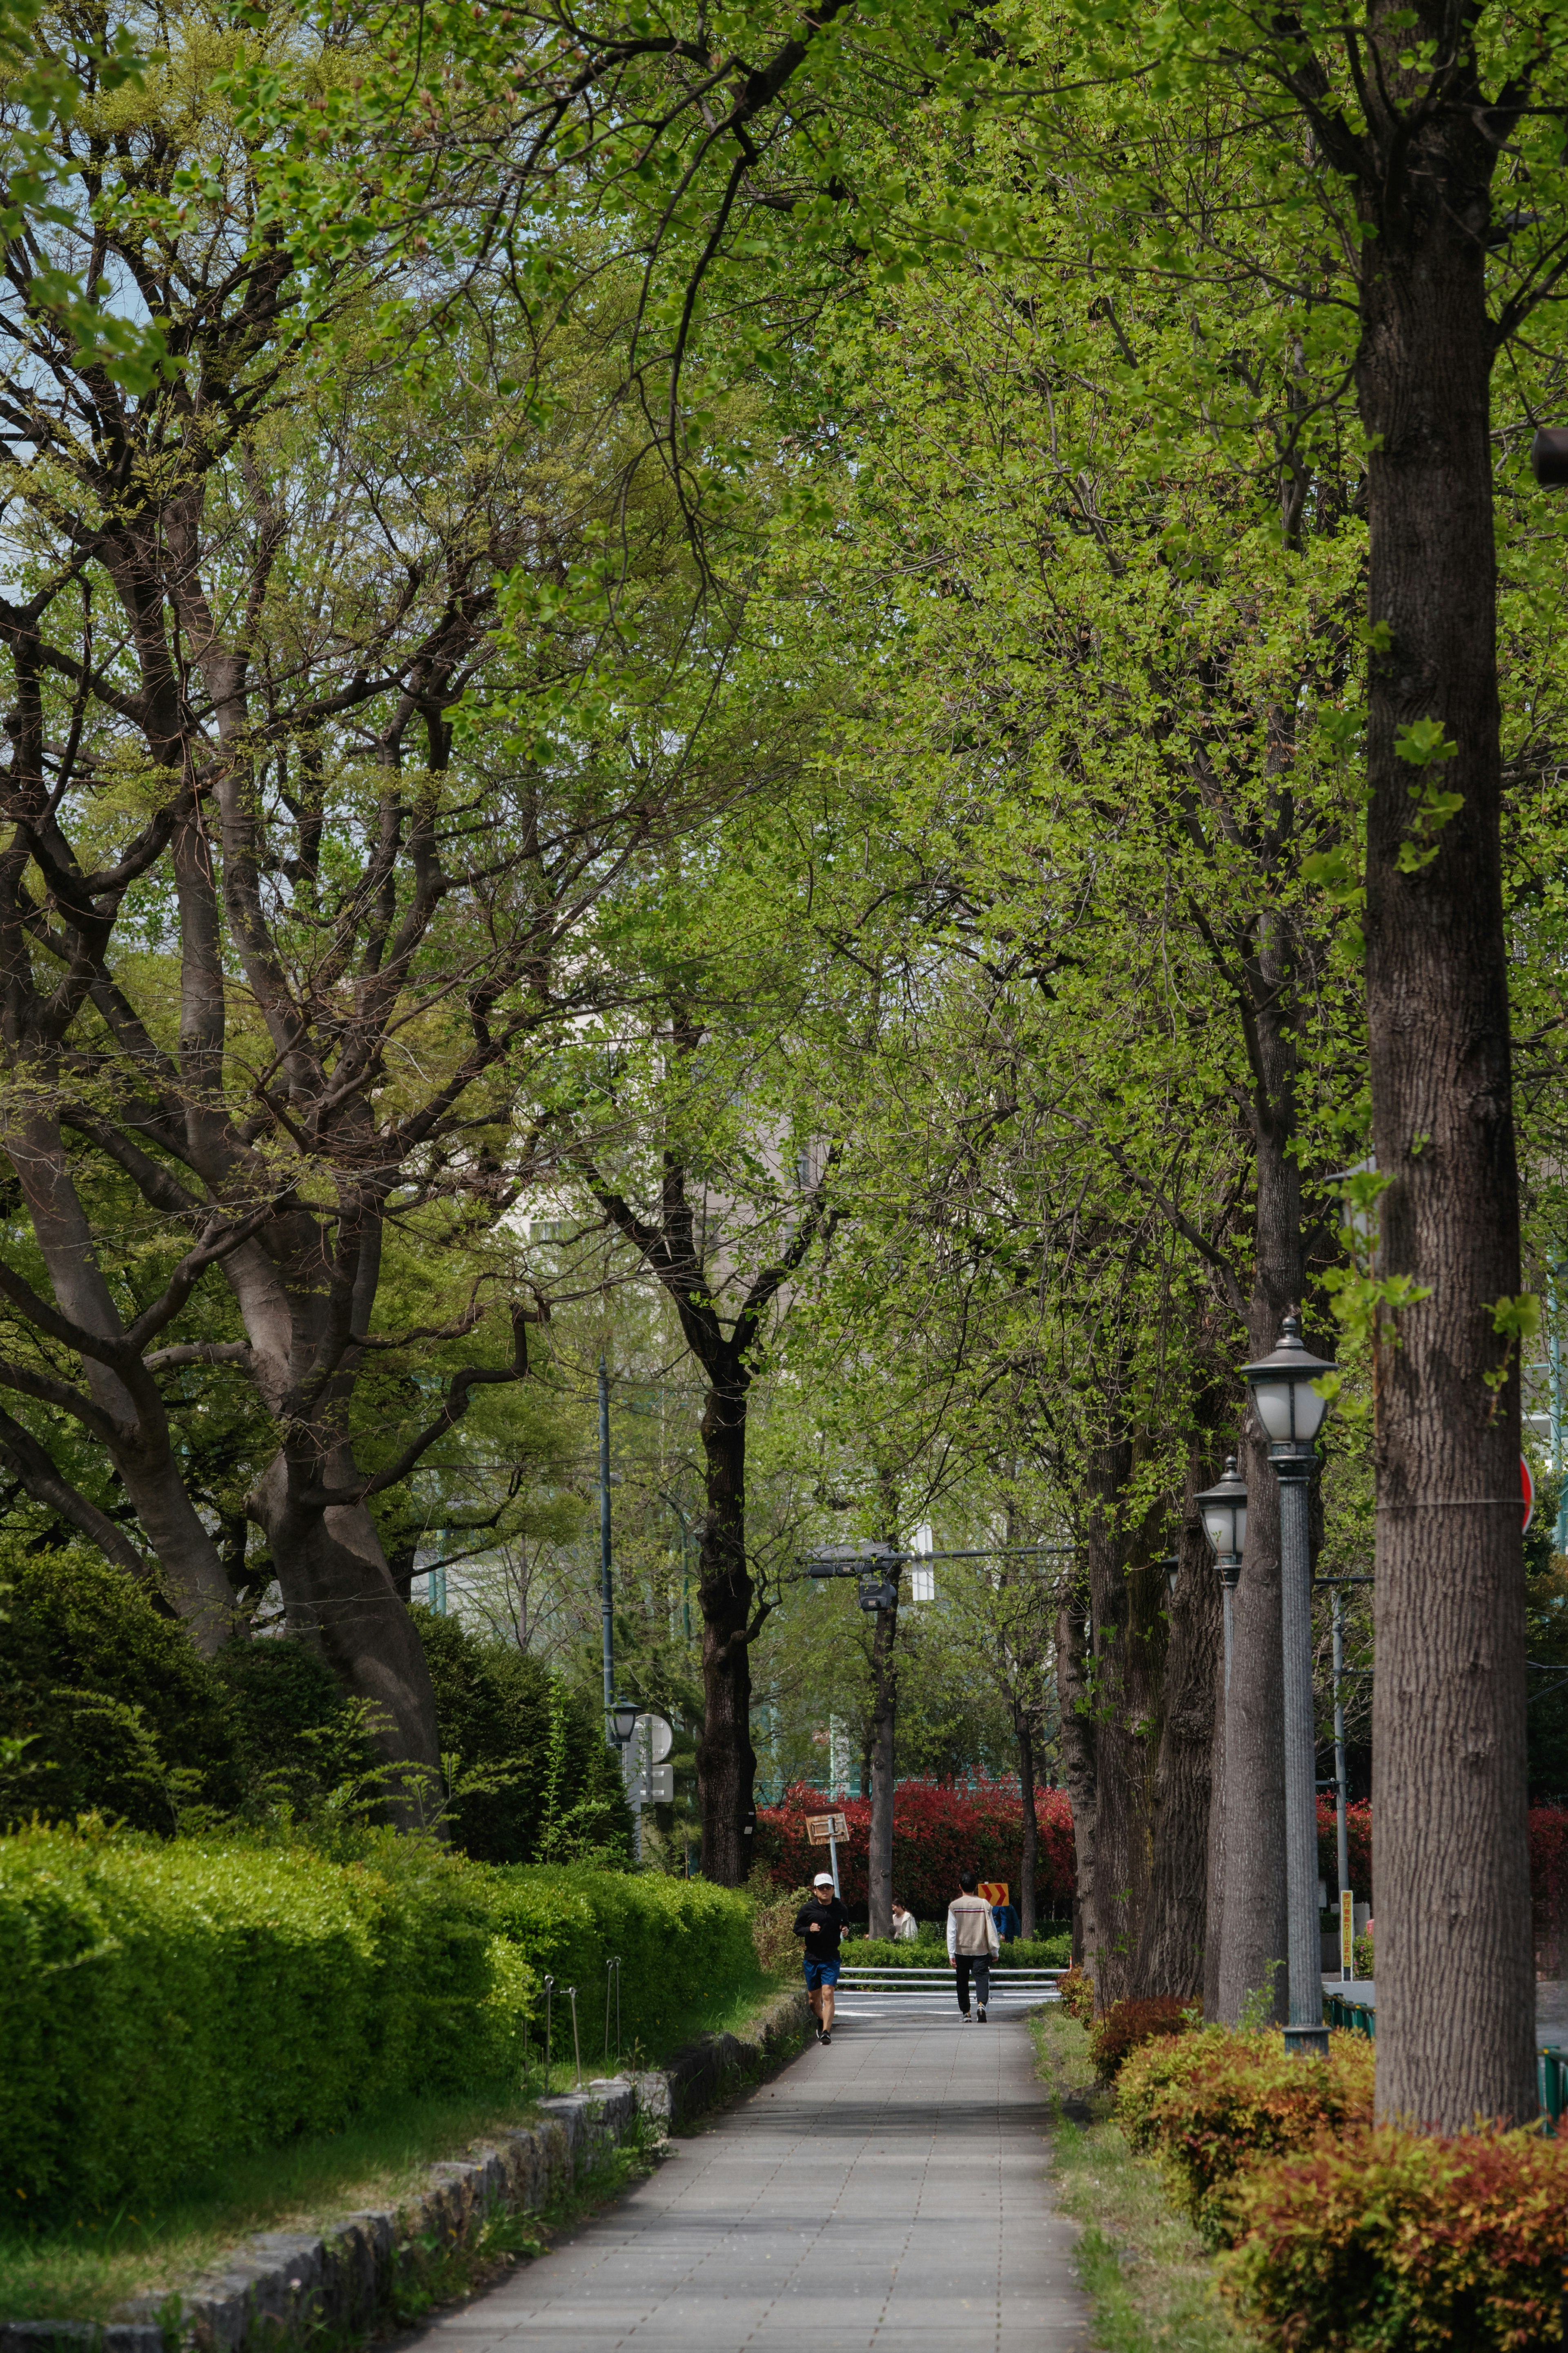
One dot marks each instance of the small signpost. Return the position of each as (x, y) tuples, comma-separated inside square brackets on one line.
[(826, 1829), (1347, 1935)]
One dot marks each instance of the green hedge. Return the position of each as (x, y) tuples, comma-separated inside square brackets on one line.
[(677, 1939), (165, 2004), (161, 2005)]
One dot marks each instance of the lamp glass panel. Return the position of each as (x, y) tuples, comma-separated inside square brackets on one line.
[(1309, 1410), (1272, 1400), (1240, 1543), (624, 1720), (1218, 1521)]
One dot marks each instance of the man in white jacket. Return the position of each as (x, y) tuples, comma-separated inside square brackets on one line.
[(972, 1942)]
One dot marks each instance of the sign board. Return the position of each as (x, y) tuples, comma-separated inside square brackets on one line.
[(994, 1890), (653, 1734), (1528, 1485), (661, 1789), (821, 1828), (1347, 1934)]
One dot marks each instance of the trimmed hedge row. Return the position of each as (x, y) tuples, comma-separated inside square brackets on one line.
[(162, 2005), (677, 1940)]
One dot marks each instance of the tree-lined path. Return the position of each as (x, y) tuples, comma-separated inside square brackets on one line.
[(889, 2192)]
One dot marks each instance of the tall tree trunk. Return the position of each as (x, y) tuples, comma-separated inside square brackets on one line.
[(1126, 1594), (337, 1589), (135, 1424), (726, 1762), (1173, 1948), (1029, 1855), (1456, 1993), (1079, 1742), (1214, 1911), (884, 1706)]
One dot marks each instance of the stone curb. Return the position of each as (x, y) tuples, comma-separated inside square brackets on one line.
[(278, 2287)]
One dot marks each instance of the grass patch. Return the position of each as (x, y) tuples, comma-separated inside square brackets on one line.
[(83, 2270), (1150, 2283)]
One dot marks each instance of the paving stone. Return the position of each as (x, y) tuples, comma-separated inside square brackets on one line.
[(889, 2192)]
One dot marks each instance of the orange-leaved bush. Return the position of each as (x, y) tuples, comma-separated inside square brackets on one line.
[(1398, 2243), (1075, 1991), (1209, 2103), (1128, 2025)]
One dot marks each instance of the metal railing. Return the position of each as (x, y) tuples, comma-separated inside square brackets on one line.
[(1037, 1985), (1551, 2082), (1355, 2017)]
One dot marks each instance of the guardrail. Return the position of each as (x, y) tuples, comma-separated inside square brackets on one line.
[(1356, 2017), (1551, 2081), (1038, 1985)]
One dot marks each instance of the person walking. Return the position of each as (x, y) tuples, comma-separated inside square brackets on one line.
[(821, 1924), (972, 1942)]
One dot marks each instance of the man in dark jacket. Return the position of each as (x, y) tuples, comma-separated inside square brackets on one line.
[(822, 1923)]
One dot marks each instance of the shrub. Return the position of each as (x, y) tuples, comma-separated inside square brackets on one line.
[(1075, 1991), (556, 1783), (678, 1940), (119, 1713), (778, 1948), (938, 1832), (299, 1738), (1128, 2025), (163, 2004), (1206, 2104), (1396, 2242)]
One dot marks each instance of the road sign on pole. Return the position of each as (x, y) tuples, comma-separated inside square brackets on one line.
[(826, 1829)]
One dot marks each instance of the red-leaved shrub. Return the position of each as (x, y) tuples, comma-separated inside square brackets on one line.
[(1075, 1991), (1128, 2025), (1391, 2242), (1209, 2102), (938, 1832)]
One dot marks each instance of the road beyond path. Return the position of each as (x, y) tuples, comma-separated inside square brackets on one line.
[(890, 2192)]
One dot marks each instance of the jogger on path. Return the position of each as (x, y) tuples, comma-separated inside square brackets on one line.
[(822, 1923), (972, 1942)]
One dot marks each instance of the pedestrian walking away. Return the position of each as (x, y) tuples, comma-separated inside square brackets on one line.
[(972, 1942), (821, 1924)]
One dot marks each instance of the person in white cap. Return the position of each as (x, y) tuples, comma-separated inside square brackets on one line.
[(822, 1923)]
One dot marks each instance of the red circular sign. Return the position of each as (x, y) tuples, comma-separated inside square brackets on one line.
[(1529, 1486)]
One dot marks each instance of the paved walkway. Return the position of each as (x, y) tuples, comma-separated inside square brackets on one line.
[(890, 2191)]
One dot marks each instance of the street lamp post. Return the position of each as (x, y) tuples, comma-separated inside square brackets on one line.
[(1223, 1509), (621, 1721), (1287, 1405)]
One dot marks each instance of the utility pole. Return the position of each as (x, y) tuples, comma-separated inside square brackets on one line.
[(606, 1598)]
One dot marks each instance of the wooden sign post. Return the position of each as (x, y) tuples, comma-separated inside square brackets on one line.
[(826, 1829)]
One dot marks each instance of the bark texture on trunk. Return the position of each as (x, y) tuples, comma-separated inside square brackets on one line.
[(726, 1761), (1079, 1744), (1454, 1978), (1173, 1946), (1127, 1593), (884, 1717), (1029, 1856)]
